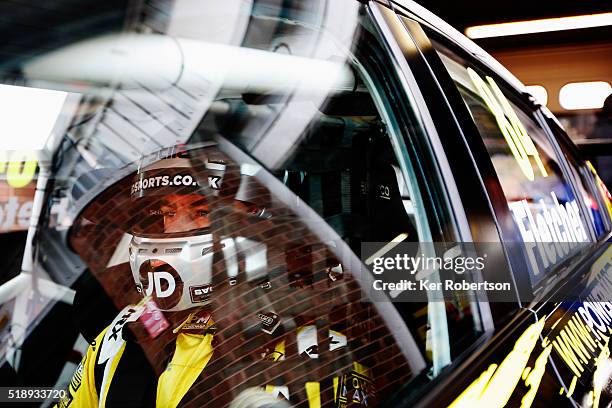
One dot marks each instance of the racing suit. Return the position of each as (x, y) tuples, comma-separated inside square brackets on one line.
[(115, 372)]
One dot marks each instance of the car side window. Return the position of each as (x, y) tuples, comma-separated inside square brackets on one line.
[(295, 183), (350, 166), (547, 213)]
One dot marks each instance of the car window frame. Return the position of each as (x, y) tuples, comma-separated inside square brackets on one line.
[(407, 91), (475, 200), (409, 56)]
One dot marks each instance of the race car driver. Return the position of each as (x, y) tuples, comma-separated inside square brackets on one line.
[(200, 271)]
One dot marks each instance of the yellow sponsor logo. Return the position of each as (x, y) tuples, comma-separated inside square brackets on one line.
[(496, 385), (581, 342), (19, 167), (514, 132)]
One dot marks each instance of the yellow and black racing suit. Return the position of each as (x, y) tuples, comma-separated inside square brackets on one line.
[(115, 371)]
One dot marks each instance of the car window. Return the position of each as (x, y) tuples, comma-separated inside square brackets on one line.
[(350, 166), (211, 229), (545, 209)]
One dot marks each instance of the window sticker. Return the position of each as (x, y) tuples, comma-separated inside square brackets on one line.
[(550, 233), (519, 142), (545, 211)]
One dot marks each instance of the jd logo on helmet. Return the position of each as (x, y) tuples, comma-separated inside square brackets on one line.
[(155, 284)]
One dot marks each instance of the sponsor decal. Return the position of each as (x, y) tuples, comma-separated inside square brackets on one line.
[(16, 211), (75, 384), (496, 385), (113, 339), (156, 285), (198, 322), (550, 233), (276, 354), (201, 293), (171, 152), (159, 280), (19, 166), (269, 321), (77, 378), (335, 273), (354, 389), (279, 391), (383, 191), (517, 138), (17, 188), (583, 335), (337, 340), (307, 341), (156, 179), (214, 182), (579, 338), (164, 180), (153, 319)]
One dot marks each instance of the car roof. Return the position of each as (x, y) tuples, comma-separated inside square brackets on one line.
[(434, 22)]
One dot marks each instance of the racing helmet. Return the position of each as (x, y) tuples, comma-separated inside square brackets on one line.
[(185, 202)]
